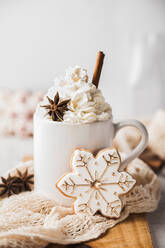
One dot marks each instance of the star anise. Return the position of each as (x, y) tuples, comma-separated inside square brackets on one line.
[(56, 108), (24, 180), (9, 186)]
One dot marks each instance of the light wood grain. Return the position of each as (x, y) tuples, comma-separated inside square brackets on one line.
[(131, 233)]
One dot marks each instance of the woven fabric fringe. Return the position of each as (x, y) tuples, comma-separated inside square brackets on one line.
[(31, 220)]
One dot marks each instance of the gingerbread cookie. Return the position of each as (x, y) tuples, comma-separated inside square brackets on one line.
[(96, 182)]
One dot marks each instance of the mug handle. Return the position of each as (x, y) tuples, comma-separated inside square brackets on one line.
[(141, 146)]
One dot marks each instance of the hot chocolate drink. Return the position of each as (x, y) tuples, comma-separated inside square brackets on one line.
[(73, 114)]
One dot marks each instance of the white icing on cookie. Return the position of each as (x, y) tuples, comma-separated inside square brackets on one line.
[(96, 182)]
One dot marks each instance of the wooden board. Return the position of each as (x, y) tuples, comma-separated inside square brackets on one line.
[(131, 233)]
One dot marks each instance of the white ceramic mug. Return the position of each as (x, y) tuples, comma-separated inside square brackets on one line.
[(54, 143)]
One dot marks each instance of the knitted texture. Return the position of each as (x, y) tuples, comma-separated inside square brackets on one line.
[(129, 137), (31, 220)]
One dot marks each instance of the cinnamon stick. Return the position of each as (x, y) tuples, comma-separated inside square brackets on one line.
[(98, 68)]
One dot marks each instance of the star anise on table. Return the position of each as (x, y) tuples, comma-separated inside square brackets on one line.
[(56, 108), (16, 184), (9, 186), (25, 180)]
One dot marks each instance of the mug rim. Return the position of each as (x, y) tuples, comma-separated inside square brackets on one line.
[(58, 123)]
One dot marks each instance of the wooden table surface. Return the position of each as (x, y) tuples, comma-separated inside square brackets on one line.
[(131, 233)]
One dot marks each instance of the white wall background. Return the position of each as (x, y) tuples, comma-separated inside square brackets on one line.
[(40, 38)]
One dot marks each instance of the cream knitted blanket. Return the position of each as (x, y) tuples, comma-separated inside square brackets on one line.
[(31, 220), (129, 137)]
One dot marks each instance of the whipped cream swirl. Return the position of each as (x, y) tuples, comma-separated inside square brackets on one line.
[(87, 103)]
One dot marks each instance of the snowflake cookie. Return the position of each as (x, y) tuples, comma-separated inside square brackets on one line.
[(96, 182)]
